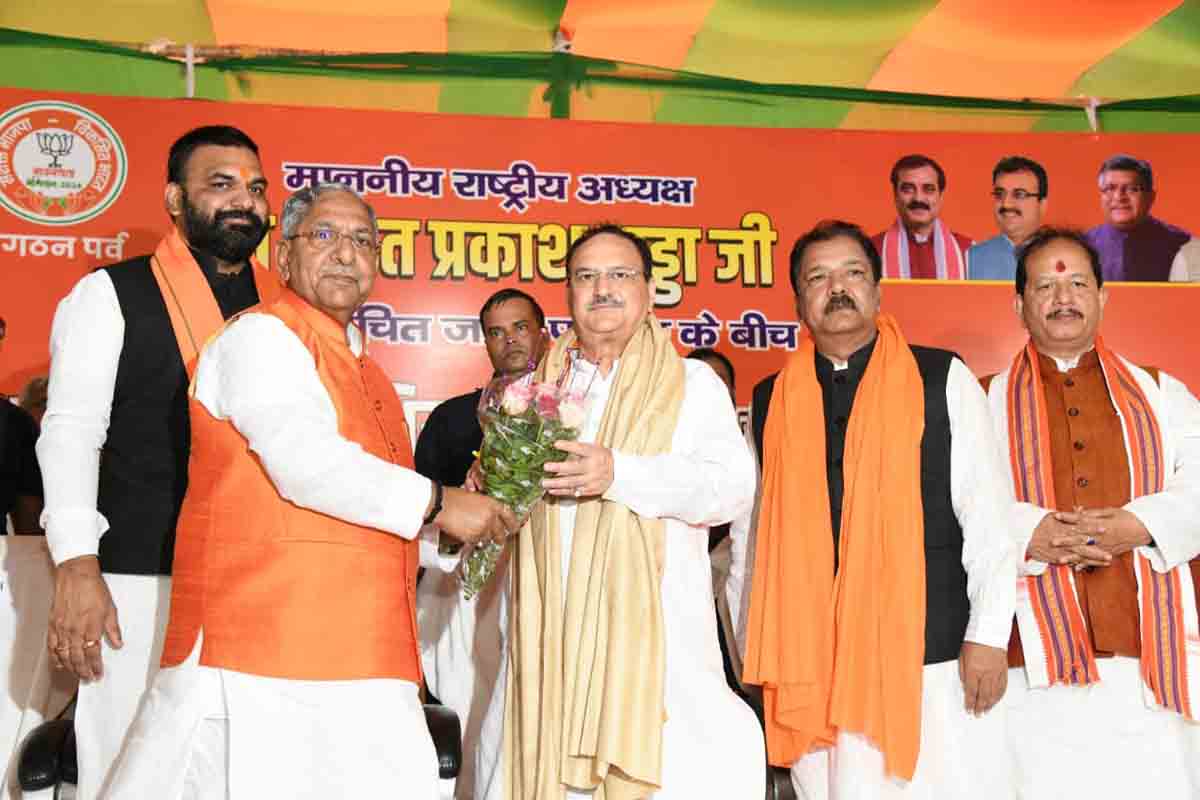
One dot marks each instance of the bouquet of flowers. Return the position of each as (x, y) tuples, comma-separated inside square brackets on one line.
[(521, 421)]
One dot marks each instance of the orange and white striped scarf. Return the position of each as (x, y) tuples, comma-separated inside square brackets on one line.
[(1057, 646)]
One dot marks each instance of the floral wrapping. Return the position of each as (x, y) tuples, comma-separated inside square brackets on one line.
[(521, 421)]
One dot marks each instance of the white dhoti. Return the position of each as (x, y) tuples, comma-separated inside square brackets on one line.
[(1100, 740), (106, 707), (961, 755), (206, 733)]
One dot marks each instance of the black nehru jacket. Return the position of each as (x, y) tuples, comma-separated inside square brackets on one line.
[(947, 608), (19, 473), (143, 464), (449, 439)]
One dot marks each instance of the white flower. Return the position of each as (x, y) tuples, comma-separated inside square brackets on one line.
[(571, 413)]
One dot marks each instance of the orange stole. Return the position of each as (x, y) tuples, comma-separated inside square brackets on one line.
[(842, 652), (194, 313), (279, 590)]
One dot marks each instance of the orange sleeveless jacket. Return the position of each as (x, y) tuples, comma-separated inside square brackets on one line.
[(279, 590)]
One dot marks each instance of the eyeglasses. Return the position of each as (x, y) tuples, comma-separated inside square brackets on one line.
[(326, 238), (590, 277), (1020, 195), (1131, 189)]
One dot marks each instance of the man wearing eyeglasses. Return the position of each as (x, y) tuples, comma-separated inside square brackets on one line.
[(114, 441), (613, 685), (291, 663), (1133, 245), (1019, 189)]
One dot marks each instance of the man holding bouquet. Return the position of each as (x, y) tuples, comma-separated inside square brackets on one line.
[(291, 664), (613, 685)]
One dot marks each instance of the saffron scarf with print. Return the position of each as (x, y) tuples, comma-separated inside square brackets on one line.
[(1055, 639), (947, 255)]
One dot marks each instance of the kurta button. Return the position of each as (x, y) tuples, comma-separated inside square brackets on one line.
[(1079, 445), (1069, 382), (1072, 412), (379, 405), (839, 378), (1082, 483), (837, 462), (839, 422)]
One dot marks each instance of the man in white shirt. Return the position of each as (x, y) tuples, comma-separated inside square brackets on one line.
[(613, 683), (883, 570), (114, 441), (291, 663), (1105, 464)]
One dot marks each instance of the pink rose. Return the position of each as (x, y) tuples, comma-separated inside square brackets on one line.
[(516, 398), (571, 413), (546, 404)]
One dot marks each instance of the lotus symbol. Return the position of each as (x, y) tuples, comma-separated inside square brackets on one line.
[(55, 145)]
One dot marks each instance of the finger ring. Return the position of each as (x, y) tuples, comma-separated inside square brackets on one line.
[(91, 643), (1091, 541), (578, 491)]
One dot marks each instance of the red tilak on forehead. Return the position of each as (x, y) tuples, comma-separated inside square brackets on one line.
[(1059, 266)]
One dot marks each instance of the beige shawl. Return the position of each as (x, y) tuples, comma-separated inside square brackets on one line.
[(584, 703)]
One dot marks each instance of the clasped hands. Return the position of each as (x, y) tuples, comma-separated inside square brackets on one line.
[(1085, 538)]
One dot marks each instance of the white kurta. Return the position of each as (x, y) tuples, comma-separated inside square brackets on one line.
[(712, 743), (958, 751), (85, 345), (283, 738), (1059, 735)]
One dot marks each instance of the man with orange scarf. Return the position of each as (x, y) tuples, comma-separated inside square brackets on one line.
[(884, 568), (114, 442), (1105, 460)]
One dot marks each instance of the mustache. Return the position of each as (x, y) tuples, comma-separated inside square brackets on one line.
[(1060, 313), (606, 301), (917, 204), (237, 216), (1011, 211), (840, 301)]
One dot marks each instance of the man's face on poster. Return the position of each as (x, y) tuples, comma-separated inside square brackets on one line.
[(918, 198), (1017, 205), (1124, 198)]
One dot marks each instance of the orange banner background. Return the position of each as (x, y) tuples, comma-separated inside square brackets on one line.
[(793, 177)]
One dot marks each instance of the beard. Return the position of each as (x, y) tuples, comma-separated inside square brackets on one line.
[(232, 244)]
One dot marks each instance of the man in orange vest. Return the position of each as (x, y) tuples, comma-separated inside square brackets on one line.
[(114, 440), (291, 664)]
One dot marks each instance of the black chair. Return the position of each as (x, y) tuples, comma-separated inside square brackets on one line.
[(47, 758)]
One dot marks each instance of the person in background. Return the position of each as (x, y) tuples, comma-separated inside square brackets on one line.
[(1133, 245), (1019, 191), (462, 641), (919, 244)]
